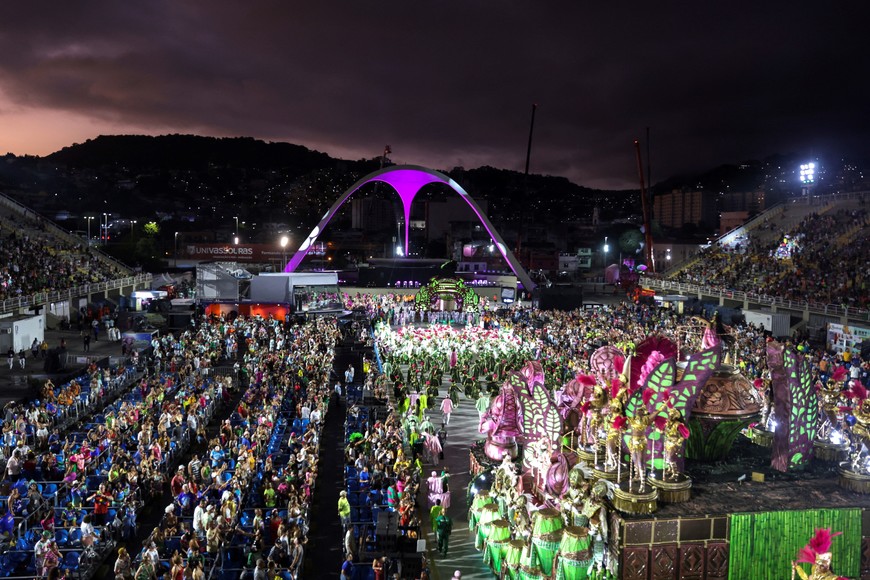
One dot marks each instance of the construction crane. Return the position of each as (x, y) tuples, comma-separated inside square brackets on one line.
[(645, 204)]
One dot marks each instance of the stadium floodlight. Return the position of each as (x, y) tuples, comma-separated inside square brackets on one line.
[(808, 173)]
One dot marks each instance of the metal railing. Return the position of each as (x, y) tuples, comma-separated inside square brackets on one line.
[(38, 298), (761, 299)]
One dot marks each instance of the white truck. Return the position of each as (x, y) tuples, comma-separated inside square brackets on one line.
[(777, 323)]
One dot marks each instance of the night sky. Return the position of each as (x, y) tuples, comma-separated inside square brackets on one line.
[(448, 83)]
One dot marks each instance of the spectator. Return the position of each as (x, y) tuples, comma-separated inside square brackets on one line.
[(344, 510), (347, 568)]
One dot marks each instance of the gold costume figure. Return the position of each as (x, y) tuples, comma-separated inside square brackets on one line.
[(613, 442), (818, 554), (829, 401), (637, 444), (675, 433)]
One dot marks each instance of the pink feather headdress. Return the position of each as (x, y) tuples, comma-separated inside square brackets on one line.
[(618, 363), (654, 360), (665, 397), (819, 544), (840, 373), (647, 396), (586, 380), (857, 391)]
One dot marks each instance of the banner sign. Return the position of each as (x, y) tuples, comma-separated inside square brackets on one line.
[(250, 253), (842, 337)]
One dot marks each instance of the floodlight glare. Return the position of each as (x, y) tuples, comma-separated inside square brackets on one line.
[(808, 173)]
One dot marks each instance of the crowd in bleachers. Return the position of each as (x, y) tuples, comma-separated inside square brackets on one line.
[(70, 496), (808, 267), (242, 507), (53, 516), (33, 262), (382, 478)]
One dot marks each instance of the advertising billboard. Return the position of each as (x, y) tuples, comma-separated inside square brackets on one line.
[(246, 253)]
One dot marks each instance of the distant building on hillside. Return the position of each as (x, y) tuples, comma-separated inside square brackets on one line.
[(748, 201), (679, 208)]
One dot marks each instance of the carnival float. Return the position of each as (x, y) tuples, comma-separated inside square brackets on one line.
[(595, 479)]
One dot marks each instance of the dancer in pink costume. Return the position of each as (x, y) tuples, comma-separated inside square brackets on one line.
[(446, 409)]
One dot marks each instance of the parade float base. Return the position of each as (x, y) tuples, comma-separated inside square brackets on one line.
[(692, 540), (716, 489)]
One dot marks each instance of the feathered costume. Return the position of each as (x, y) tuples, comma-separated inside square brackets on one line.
[(818, 554)]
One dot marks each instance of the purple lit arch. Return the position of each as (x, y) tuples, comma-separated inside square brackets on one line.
[(407, 181)]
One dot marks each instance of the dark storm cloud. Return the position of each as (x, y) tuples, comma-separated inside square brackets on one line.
[(452, 83)]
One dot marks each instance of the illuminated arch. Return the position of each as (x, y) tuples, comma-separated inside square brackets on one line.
[(407, 181)]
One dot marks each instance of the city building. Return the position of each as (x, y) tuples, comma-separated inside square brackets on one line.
[(679, 208)]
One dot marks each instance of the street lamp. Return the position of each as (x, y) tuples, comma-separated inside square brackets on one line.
[(175, 248), (132, 227), (284, 241), (89, 218), (236, 231), (105, 227)]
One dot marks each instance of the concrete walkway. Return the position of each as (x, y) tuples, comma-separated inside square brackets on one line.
[(461, 555), (20, 384)]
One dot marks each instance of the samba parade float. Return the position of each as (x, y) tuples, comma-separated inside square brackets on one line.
[(650, 467)]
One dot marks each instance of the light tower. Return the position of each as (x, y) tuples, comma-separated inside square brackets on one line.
[(807, 176)]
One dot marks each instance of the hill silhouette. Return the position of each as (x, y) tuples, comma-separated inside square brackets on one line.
[(188, 152)]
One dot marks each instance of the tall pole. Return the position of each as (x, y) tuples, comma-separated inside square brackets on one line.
[(648, 165), (531, 133), (526, 177), (647, 231)]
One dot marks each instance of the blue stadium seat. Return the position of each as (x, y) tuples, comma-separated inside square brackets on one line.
[(71, 561)]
